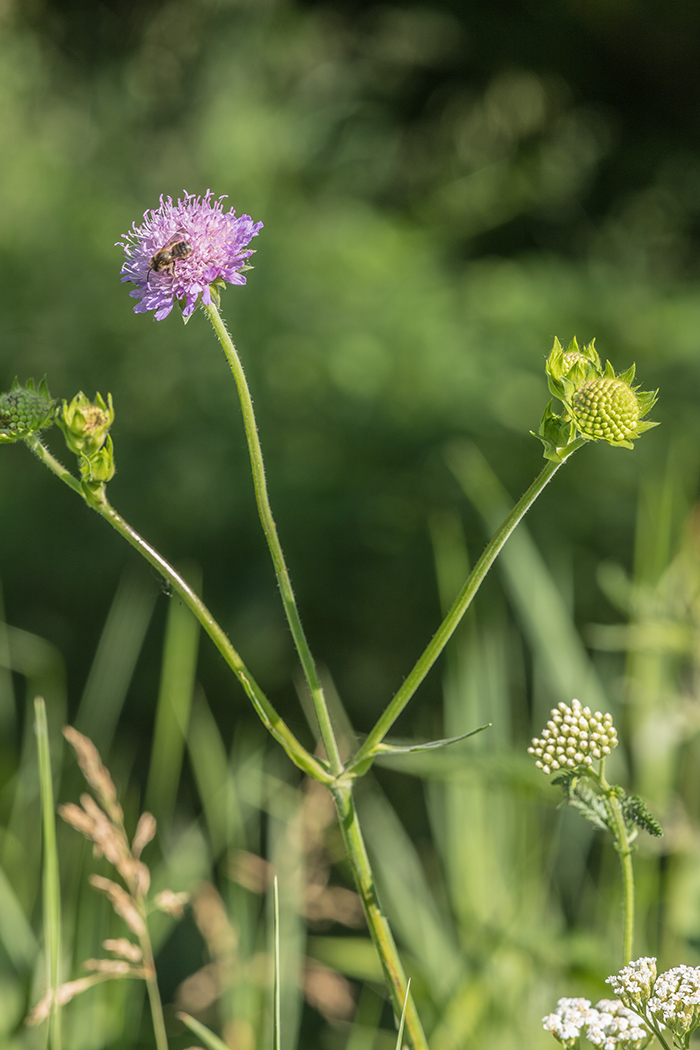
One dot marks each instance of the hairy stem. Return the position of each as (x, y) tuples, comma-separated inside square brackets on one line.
[(376, 920), (624, 850), (270, 530), (455, 614), (265, 710)]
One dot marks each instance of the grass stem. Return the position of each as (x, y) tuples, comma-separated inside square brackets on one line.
[(51, 883)]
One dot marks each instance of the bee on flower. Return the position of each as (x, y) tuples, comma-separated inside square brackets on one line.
[(181, 249)]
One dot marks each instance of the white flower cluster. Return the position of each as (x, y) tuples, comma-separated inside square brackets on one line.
[(676, 1000), (570, 1016), (573, 737), (617, 1027), (635, 982), (608, 1024)]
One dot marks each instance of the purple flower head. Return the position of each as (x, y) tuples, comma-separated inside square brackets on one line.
[(180, 249)]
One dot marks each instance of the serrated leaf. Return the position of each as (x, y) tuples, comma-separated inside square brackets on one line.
[(592, 808), (636, 811)]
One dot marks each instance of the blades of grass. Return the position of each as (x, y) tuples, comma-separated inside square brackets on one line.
[(399, 1037), (7, 693), (277, 987), (173, 708), (285, 831), (354, 956), (214, 778), (16, 935), (543, 613), (42, 665), (366, 1023), (407, 895), (52, 890), (652, 672), (113, 666), (473, 820), (208, 1038)]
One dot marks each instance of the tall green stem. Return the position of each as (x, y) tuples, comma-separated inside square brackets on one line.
[(455, 614), (267, 713), (376, 920), (270, 530), (51, 881), (624, 850)]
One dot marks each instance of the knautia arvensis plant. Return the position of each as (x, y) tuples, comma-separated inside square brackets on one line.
[(185, 253)]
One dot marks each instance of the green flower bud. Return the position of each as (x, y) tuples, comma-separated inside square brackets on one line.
[(569, 369), (85, 424), (24, 411), (610, 409), (607, 409), (598, 405), (98, 468)]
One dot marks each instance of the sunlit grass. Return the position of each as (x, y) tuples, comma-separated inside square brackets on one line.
[(501, 902)]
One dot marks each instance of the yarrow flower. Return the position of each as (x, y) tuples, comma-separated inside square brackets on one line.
[(573, 737), (634, 983), (570, 1016), (675, 1003), (181, 249), (617, 1028), (609, 1024)]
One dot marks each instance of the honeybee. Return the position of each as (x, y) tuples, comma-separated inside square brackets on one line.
[(165, 258)]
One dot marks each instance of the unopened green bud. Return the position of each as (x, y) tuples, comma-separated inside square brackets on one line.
[(24, 411), (610, 409), (86, 423), (598, 405), (98, 468), (607, 409), (569, 369)]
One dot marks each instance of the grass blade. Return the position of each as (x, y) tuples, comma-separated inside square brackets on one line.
[(52, 890), (173, 710), (278, 1005), (202, 1032), (399, 1037)]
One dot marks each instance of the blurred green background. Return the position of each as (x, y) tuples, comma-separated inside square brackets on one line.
[(445, 187)]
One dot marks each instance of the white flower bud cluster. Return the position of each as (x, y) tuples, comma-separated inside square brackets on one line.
[(634, 983), (676, 1000), (608, 1024), (573, 737)]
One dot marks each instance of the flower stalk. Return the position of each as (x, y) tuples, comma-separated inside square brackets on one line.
[(272, 721), (270, 529), (373, 741), (623, 846), (376, 920)]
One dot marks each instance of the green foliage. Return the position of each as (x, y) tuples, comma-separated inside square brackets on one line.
[(637, 812), (372, 334)]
